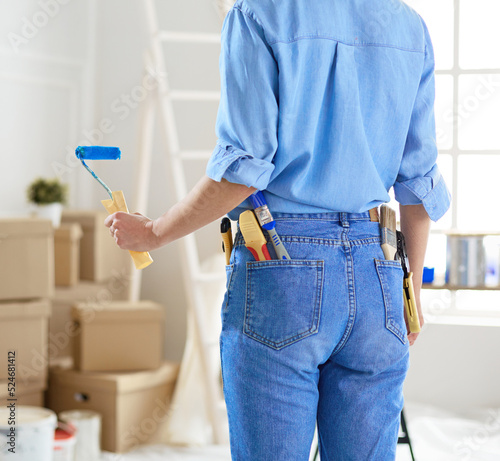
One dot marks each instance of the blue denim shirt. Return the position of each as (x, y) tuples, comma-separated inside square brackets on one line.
[(327, 104)]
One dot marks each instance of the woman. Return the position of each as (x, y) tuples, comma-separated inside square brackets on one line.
[(325, 106)]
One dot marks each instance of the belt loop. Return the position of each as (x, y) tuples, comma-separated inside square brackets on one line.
[(343, 219), (374, 215)]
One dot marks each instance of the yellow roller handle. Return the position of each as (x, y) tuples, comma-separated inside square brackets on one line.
[(141, 259), (410, 305)]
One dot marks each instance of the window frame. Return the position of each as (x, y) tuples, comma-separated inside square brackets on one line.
[(441, 304), (455, 152)]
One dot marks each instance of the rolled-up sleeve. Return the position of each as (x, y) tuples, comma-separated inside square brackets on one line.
[(247, 119), (419, 180)]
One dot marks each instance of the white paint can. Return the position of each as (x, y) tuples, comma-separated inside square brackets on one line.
[(64, 443), (88, 433), (31, 437)]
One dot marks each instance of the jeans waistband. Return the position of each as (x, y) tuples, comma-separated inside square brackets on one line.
[(331, 226), (336, 216)]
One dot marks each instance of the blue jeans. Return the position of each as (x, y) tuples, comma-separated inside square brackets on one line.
[(320, 338)]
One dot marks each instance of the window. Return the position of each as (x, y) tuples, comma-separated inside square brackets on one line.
[(466, 35)]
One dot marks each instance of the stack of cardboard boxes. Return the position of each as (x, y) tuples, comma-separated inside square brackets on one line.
[(99, 351), (26, 284), (89, 268), (118, 372)]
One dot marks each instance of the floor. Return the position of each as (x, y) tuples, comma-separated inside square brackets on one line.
[(436, 435)]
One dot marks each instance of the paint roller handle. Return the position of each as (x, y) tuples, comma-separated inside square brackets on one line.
[(141, 259)]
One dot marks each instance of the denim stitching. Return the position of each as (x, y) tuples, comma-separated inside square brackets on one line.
[(312, 329), (315, 241), (290, 262), (389, 322), (228, 288), (319, 295), (334, 216), (352, 296), (221, 360), (297, 337), (310, 240)]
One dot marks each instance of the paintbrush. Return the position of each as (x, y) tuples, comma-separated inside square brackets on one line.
[(388, 240)]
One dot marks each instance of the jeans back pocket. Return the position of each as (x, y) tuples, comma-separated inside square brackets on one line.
[(283, 301), (390, 274)]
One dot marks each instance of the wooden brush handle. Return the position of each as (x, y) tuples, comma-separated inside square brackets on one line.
[(410, 304), (141, 259)]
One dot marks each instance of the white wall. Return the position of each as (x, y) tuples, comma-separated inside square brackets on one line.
[(66, 68), (44, 79), (455, 367)]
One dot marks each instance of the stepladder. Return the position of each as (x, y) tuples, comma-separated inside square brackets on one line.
[(199, 376)]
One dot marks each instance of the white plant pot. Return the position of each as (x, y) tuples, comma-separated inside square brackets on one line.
[(52, 211)]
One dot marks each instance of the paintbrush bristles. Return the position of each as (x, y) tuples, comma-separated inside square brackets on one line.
[(387, 217), (388, 239)]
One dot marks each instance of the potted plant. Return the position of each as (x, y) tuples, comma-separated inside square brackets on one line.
[(48, 195)]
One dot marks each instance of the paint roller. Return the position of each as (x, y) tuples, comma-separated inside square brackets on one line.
[(117, 199)]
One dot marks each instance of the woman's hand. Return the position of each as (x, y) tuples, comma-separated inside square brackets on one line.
[(132, 231), (206, 202)]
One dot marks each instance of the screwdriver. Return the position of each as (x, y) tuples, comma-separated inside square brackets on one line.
[(267, 221), (227, 238)]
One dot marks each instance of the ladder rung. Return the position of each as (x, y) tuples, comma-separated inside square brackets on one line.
[(195, 154), (188, 37), (182, 95), (207, 344), (208, 277)]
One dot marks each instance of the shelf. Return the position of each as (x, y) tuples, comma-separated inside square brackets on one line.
[(430, 286), (463, 319)]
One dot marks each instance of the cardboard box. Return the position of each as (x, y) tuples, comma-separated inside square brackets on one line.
[(119, 336), (134, 406), (23, 330), (100, 257), (27, 255), (61, 325), (67, 254), (28, 394)]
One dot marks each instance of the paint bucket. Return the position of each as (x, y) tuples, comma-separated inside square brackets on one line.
[(466, 260), (64, 443), (33, 436), (88, 433)]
